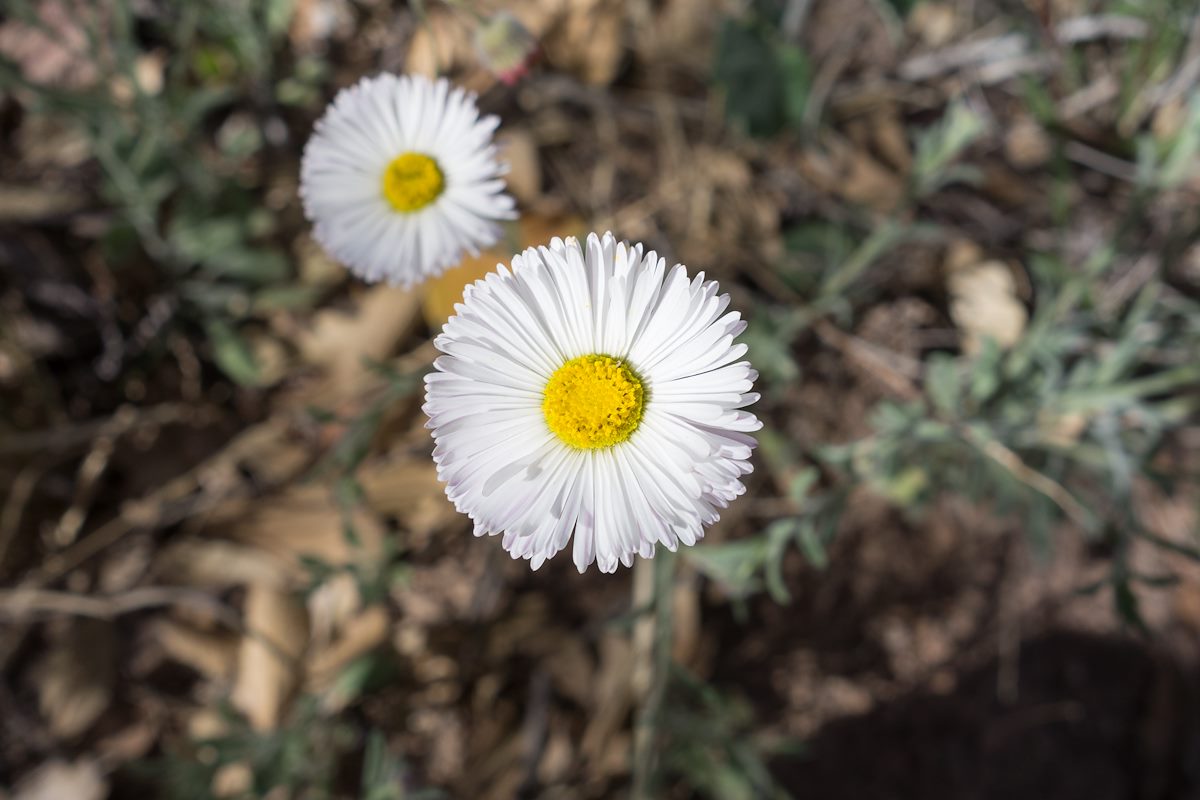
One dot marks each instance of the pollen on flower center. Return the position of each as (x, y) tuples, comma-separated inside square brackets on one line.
[(412, 181), (593, 401)]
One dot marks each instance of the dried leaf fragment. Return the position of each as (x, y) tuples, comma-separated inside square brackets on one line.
[(59, 780), (75, 679), (343, 343), (213, 655), (268, 659), (984, 303)]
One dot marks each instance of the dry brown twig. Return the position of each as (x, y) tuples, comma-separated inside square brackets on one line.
[(900, 382), (895, 370), (103, 434), (194, 492), (124, 420), (1100, 161), (1029, 476), (19, 493), (999, 58), (87, 477), (22, 604)]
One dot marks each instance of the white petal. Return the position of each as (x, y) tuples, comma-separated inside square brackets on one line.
[(341, 178), (507, 470)]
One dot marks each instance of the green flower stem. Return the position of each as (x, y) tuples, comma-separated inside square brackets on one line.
[(649, 717)]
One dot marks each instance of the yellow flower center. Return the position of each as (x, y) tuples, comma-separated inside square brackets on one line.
[(593, 401), (412, 181)]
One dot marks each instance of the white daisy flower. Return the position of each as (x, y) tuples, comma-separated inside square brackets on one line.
[(591, 391), (400, 178)]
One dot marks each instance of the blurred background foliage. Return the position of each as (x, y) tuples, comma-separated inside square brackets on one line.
[(966, 234)]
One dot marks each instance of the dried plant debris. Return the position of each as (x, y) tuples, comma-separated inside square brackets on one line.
[(77, 676), (963, 236), (81, 780)]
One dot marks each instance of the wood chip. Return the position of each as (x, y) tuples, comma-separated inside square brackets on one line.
[(218, 564), (75, 680), (35, 203), (936, 24), (305, 521), (342, 344), (54, 51), (213, 655), (438, 295), (360, 636), (589, 40), (1026, 145), (984, 303), (62, 780), (409, 490), (890, 136), (519, 150), (440, 45), (267, 671), (233, 780), (852, 173)]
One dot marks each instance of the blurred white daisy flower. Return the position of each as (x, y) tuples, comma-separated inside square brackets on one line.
[(401, 180), (591, 392)]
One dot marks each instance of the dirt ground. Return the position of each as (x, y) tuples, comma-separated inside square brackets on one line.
[(229, 569)]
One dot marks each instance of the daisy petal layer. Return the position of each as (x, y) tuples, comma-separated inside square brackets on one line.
[(512, 475), (367, 126)]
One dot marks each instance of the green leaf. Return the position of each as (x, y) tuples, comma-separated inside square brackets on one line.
[(1126, 602), (219, 244), (800, 485), (778, 534), (985, 371), (940, 145), (766, 81), (905, 487), (795, 72), (199, 101), (771, 348), (214, 64), (318, 571), (941, 383), (279, 16), (364, 674), (734, 565), (812, 546), (251, 264), (902, 7), (382, 775), (199, 239), (1182, 156), (849, 271), (232, 355), (221, 299), (293, 92), (1039, 101), (747, 71), (286, 298), (239, 138), (831, 242)]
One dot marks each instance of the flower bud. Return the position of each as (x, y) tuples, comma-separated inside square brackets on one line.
[(505, 46)]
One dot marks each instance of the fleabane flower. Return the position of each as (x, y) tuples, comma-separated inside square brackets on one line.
[(591, 393), (401, 179)]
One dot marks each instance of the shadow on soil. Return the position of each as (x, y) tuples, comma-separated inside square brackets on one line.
[(1093, 719)]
